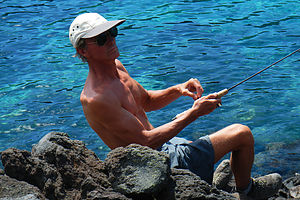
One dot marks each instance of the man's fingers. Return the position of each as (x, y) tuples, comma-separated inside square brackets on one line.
[(186, 92), (212, 96), (195, 86), (192, 88), (200, 91)]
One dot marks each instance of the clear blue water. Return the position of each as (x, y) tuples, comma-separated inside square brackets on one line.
[(162, 43)]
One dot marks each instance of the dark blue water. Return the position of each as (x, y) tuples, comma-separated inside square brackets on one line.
[(162, 43)]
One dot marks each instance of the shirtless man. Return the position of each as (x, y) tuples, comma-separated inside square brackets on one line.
[(114, 105)]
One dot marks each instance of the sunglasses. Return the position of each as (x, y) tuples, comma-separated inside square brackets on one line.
[(102, 38)]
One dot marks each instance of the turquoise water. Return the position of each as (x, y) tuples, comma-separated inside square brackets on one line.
[(162, 43)]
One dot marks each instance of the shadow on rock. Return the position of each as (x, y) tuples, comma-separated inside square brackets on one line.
[(61, 168)]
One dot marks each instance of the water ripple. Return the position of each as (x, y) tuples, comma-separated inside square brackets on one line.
[(277, 22), (162, 43), (251, 36), (19, 12)]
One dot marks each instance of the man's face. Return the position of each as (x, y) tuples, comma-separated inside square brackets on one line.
[(103, 46)]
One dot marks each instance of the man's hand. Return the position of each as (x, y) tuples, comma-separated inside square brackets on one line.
[(191, 88), (207, 104)]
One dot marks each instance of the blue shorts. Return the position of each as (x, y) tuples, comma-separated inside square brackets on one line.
[(198, 156)]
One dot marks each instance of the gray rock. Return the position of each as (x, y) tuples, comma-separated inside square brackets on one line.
[(12, 189), (106, 195), (295, 192), (190, 186), (71, 158), (138, 171), (293, 181), (59, 167), (19, 164), (290, 188), (223, 177), (26, 197)]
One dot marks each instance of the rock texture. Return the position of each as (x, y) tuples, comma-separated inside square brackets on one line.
[(290, 188), (138, 171), (223, 178), (190, 186), (61, 168), (19, 190)]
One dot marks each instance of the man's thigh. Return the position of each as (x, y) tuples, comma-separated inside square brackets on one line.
[(229, 139)]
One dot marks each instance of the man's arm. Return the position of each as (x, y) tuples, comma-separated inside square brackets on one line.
[(160, 98), (124, 128), (154, 100)]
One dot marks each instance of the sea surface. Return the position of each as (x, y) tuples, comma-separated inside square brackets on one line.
[(162, 43)]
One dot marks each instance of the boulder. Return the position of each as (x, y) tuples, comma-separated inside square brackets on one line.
[(138, 171), (61, 168), (71, 159), (189, 186), (290, 188), (223, 178), (295, 192), (19, 164), (18, 190)]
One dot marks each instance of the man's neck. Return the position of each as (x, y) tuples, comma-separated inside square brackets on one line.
[(103, 70)]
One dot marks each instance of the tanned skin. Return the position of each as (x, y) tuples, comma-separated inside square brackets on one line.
[(115, 106)]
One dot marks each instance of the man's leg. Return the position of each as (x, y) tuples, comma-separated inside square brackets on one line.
[(237, 139)]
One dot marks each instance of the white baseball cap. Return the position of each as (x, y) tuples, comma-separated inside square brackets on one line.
[(88, 25)]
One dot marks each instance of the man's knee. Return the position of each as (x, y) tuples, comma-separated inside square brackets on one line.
[(244, 134)]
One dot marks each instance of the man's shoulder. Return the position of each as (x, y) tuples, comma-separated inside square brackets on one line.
[(99, 105), (98, 97), (120, 66)]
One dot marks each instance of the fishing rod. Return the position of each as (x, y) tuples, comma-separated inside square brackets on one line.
[(225, 91)]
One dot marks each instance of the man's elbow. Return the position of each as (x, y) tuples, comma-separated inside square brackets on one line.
[(149, 141)]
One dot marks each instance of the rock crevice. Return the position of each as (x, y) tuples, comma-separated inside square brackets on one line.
[(61, 168)]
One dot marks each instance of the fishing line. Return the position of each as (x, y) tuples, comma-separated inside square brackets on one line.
[(225, 91)]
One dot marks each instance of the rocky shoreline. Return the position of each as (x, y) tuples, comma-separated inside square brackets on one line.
[(61, 168)]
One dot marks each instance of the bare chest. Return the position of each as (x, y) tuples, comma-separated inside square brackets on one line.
[(130, 99)]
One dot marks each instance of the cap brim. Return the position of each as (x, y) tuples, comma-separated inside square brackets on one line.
[(102, 28)]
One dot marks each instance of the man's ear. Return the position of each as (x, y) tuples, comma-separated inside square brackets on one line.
[(81, 51)]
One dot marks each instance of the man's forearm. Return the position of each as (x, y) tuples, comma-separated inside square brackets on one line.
[(158, 136), (160, 98), (202, 106)]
